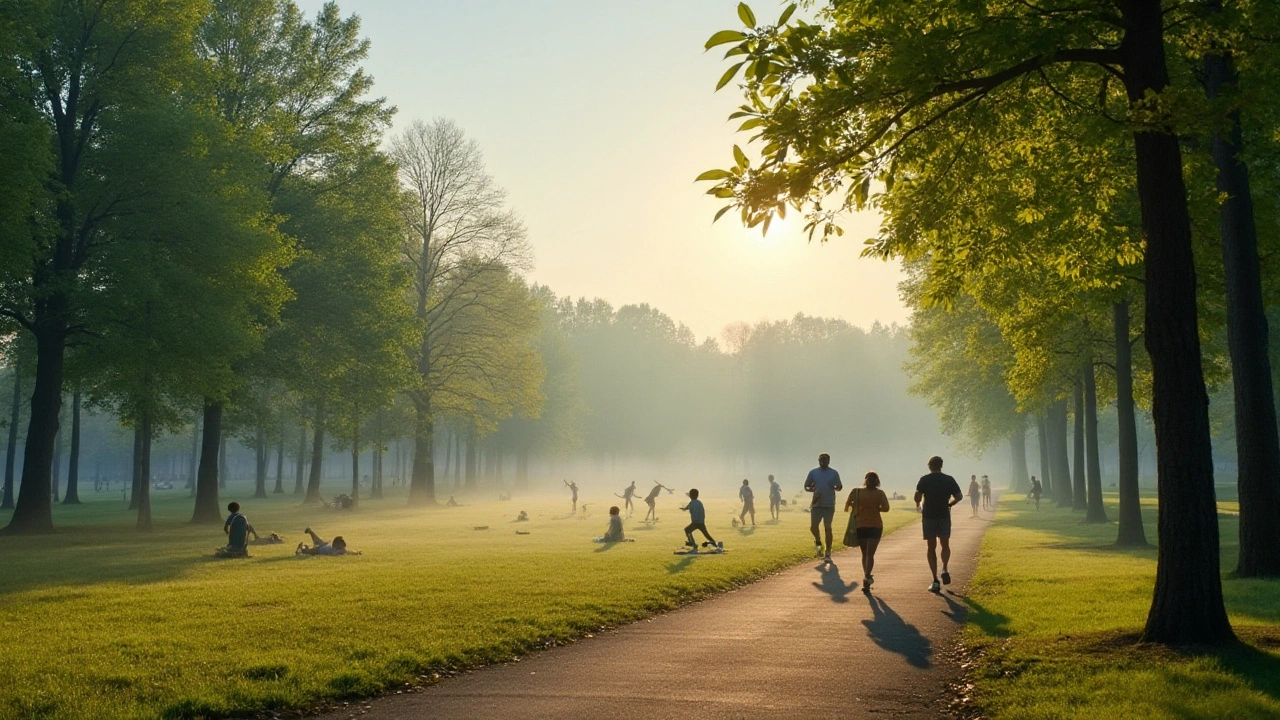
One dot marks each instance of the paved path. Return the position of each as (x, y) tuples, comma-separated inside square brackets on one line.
[(806, 643)]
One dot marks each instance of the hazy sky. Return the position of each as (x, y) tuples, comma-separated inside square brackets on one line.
[(596, 115)]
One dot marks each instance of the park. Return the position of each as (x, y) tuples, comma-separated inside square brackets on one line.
[(662, 359)]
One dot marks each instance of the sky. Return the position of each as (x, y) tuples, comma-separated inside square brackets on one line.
[(596, 116)]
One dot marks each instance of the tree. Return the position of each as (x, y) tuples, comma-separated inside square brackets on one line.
[(461, 238), (835, 102)]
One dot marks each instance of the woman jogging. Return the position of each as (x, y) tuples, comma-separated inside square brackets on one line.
[(975, 493), (866, 527)]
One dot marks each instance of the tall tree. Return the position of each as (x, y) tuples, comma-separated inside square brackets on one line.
[(461, 237)]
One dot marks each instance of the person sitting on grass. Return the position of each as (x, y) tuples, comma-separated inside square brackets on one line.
[(614, 533), (237, 529), (324, 547), (697, 521)]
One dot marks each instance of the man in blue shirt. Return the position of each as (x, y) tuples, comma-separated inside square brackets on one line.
[(237, 529), (824, 482), (939, 492), (748, 498), (697, 521)]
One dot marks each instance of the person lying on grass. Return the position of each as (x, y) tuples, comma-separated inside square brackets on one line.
[(324, 547), (272, 539), (237, 529), (614, 533)]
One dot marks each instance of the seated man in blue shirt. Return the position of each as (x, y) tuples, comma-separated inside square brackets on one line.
[(237, 529)]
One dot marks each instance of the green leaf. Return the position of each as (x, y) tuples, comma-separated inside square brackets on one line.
[(741, 157), (748, 17), (752, 123), (786, 15), (728, 75), (720, 213), (714, 175), (724, 36)]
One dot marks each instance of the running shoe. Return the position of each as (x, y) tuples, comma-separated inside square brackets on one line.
[(946, 578), (868, 580), (720, 545), (934, 586), (817, 551), (826, 558)]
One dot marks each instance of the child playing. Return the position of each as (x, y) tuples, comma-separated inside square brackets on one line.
[(614, 533), (697, 521)]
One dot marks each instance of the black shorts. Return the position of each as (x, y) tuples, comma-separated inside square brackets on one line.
[(936, 528), (870, 533)]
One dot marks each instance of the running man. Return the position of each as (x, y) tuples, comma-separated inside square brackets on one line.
[(939, 492), (627, 496), (775, 498), (824, 482), (975, 492), (748, 498), (652, 501), (697, 521), (1036, 491), (573, 486), (986, 494)]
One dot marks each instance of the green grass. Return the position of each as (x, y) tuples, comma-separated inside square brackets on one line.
[(1055, 614), (99, 621)]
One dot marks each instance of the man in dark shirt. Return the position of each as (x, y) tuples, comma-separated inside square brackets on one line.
[(939, 492)]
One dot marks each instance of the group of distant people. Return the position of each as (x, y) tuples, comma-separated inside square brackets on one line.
[(980, 493), (237, 529)]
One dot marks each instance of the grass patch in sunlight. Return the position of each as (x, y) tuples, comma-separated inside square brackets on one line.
[(99, 621), (1055, 614)]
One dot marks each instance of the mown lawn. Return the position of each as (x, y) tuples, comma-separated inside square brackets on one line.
[(1055, 615), (98, 621)]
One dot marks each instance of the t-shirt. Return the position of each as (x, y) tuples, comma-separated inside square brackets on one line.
[(653, 493), (825, 483), (631, 490), (237, 530), (327, 549), (746, 494), (938, 489), (775, 491), (697, 514), (974, 489), (871, 502), (614, 533)]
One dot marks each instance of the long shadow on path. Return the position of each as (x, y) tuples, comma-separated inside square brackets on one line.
[(889, 631), (832, 584)]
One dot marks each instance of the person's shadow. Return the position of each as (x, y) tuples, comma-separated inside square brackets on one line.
[(832, 584), (887, 629)]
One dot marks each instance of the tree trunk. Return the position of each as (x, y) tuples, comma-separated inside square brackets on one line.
[(195, 456), (448, 454), (55, 472), (376, 490), (33, 513), (1257, 444), (422, 483), (135, 489), (522, 467), (1187, 605), (143, 462), (1096, 511), (207, 511), (1046, 478), (1018, 457), (224, 471), (279, 488), (457, 460), (72, 496), (1078, 496), (317, 458), (11, 452), (1061, 466), (1131, 532), (299, 487), (355, 465), (260, 463), (471, 462)]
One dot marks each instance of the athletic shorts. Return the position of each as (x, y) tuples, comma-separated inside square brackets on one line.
[(822, 515), (936, 528), (748, 506), (870, 533)]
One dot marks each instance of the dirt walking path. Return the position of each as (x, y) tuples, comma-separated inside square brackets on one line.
[(806, 643)]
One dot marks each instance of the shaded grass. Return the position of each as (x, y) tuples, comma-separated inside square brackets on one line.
[(98, 621), (1055, 614)]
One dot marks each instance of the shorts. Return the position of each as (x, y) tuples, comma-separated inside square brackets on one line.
[(936, 528), (822, 515), (748, 506), (870, 533)]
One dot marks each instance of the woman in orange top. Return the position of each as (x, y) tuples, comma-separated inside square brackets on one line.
[(865, 525)]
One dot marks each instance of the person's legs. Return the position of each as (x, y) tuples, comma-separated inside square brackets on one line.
[(815, 519), (703, 529), (828, 514), (653, 513), (870, 551), (315, 539), (742, 516), (753, 513), (933, 557), (862, 547), (946, 552), (688, 534)]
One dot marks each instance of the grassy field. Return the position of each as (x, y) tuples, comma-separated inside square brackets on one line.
[(99, 621), (1055, 613)]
